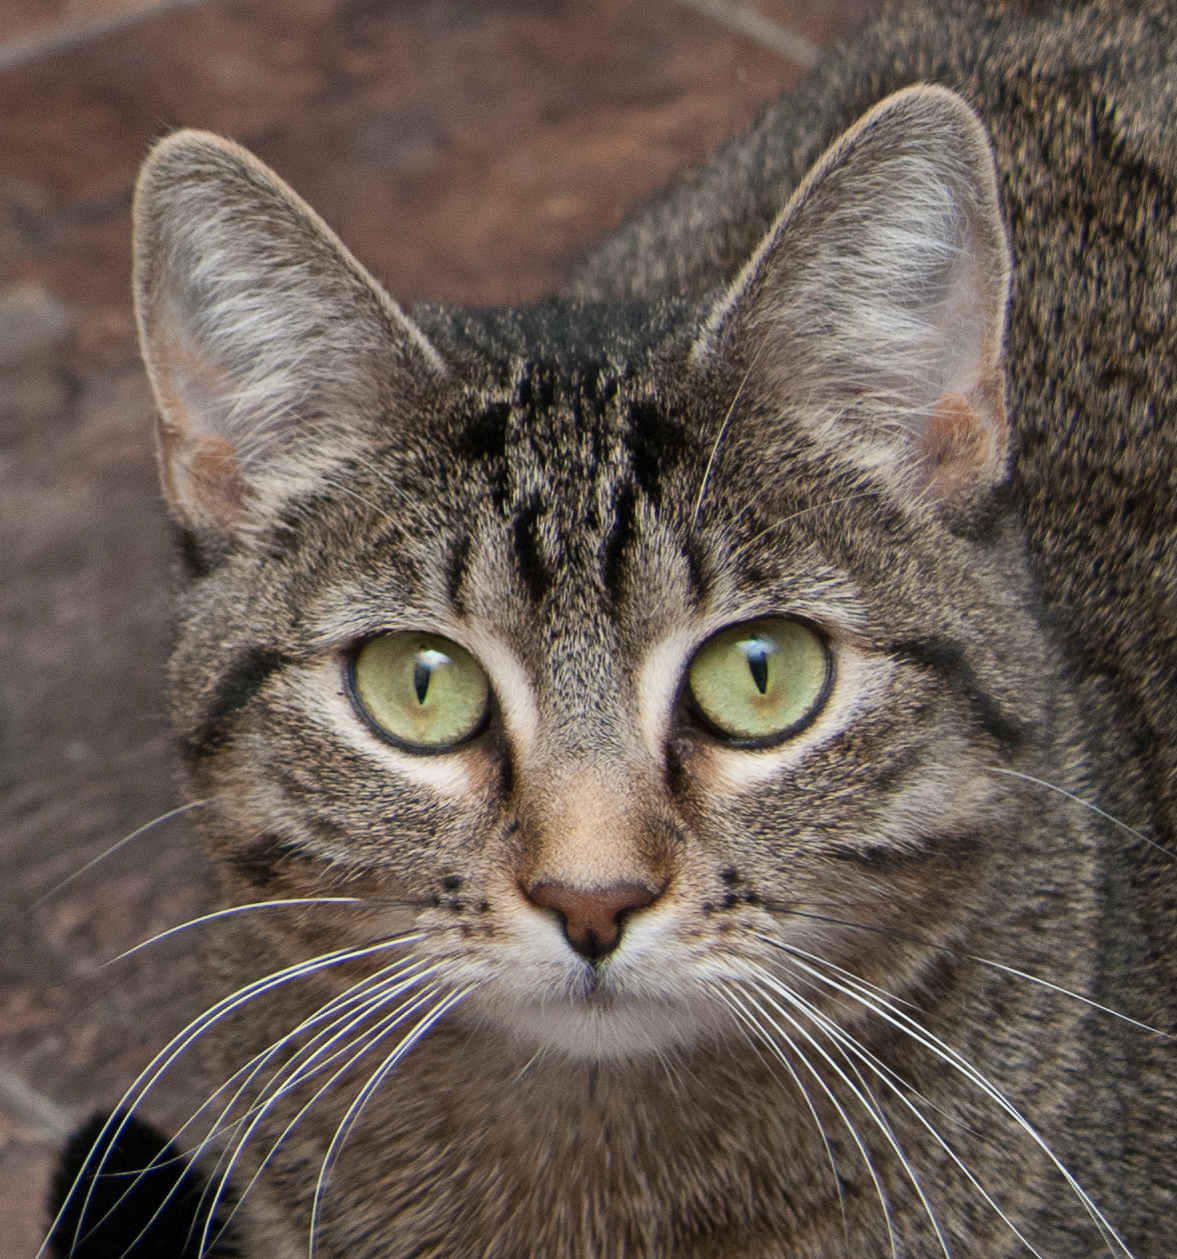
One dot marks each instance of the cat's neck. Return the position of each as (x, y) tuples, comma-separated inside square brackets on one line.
[(663, 1142)]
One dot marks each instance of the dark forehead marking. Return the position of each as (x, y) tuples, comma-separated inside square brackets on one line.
[(566, 436), (457, 566), (540, 385), (533, 569), (657, 441), (617, 541), (698, 582), (484, 433), (560, 414)]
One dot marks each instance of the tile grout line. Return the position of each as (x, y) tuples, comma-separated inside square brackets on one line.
[(18, 52), (33, 1107), (755, 26)]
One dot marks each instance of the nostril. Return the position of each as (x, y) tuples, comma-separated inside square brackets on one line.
[(592, 918)]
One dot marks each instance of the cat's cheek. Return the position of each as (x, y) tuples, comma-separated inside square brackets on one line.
[(463, 776), (861, 682)]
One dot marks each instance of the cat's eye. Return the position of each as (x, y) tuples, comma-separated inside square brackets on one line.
[(758, 683), (421, 691)]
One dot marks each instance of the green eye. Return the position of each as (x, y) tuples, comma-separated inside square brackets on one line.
[(421, 690), (760, 682)]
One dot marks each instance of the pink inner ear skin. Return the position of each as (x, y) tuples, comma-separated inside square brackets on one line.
[(211, 477), (956, 449)]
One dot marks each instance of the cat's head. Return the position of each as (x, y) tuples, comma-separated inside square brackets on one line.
[(617, 652)]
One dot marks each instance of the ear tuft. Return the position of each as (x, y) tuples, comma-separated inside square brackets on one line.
[(873, 313), (262, 334)]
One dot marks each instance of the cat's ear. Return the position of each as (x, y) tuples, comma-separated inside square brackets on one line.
[(263, 337), (874, 310)]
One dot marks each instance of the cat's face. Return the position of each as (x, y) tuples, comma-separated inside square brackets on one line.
[(614, 675)]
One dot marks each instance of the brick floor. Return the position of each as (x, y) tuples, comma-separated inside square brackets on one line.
[(468, 152)]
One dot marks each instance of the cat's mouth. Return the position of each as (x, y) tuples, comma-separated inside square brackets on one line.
[(647, 996), (596, 1021)]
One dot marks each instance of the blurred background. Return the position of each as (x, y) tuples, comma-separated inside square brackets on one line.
[(468, 151)]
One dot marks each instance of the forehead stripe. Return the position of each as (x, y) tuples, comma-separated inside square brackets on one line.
[(532, 568)]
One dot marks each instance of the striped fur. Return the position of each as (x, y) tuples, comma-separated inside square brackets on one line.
[(862, 1016)]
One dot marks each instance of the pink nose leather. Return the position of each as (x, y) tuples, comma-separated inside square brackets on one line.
[(593, 920)]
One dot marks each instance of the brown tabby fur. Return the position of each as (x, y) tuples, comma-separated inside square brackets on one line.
[(581, 493)]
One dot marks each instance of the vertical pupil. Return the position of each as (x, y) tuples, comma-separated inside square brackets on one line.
[(756, 652), (421, 675), (425, 664)]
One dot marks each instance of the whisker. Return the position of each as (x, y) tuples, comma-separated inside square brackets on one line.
[(871, 1107), (535, 1057), (727, 419), (365, 903), (779, 524), (339, 1011), (365, 1042), (142, 830), (891, 933), (354, 1110), (318, 1053), (230, 912), (385, 984), (899, 1087), (816, 1119), (735, 1002), (260, 1060), (1070, 795), (367, 994), (163, 1060), (903, 1022)]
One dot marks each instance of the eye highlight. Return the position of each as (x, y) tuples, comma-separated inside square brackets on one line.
[(420, 691), (758, 683)]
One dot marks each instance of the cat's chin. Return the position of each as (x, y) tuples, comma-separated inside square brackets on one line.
[(600, 1027)]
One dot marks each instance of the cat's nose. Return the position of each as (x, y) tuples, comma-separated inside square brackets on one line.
[(593, 920)]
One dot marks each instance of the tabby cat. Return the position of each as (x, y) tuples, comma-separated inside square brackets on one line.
[(695, 758)]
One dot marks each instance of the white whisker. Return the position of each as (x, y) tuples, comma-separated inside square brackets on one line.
[(727, 419), (386, 983), (367, 995), (122, 843), (373, 1083), (162, 1061), (229, 913), (364, 1041), (779, 524), (1070, 795), (870, 1106), (735, 1001), (899, 1087), (796, 1079), (972, 957), (903, 1022)]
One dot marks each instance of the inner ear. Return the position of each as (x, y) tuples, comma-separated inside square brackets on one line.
[(873, 313), (263, 336), (959, 446), (200, 466)]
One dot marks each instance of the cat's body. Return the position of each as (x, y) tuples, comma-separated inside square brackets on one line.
[(703, 994)]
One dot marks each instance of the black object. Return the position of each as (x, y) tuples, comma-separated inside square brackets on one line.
[(132, 1196)]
